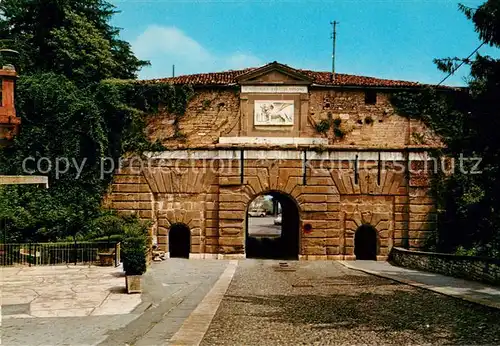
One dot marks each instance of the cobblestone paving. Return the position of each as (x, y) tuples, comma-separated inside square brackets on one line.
[(324, 303)]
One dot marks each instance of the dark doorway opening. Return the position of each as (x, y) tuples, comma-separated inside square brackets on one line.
[(179, 241), (365, 243), (279, 239)]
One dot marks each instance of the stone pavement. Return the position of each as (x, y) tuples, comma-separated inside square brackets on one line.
[(249, 302), (63, 305), (196, 325), (325, 303), (64, 291), (471, 291), (174, 288), (172, 291)]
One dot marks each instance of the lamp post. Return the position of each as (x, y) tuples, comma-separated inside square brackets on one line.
[(8, 52)]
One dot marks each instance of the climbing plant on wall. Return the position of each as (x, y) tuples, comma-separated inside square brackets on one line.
[(74, 114), (467, 121), (78, 128)]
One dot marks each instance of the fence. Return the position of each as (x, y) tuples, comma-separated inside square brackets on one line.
[(34, 254)]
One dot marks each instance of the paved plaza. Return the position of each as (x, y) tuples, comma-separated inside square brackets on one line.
[(246, 302), (64, 291), (63, 305)]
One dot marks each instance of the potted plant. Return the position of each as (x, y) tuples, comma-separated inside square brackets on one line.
[(134, 256)]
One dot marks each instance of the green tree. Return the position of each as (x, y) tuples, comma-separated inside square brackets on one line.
[(69, 112), (468, 123), (73, 38)]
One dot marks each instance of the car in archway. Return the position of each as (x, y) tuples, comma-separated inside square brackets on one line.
[(257, 213), (277, 220)]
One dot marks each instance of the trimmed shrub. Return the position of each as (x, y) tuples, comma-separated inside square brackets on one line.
[(135, 249)]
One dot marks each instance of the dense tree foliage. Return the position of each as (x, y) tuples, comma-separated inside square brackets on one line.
[(68, 37), (77, 112), (469, 204)]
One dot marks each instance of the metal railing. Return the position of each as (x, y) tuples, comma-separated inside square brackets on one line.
[(36, 254)]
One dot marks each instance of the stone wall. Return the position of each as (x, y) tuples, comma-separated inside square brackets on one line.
[(225, 112), (366, 125), (473, 268), (210, 191)]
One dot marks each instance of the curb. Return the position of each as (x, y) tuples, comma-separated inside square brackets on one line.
[(142, 307), (443, 291)]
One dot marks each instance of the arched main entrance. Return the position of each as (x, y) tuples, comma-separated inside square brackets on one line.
[(276, 234), (179, 241), (365, 243)]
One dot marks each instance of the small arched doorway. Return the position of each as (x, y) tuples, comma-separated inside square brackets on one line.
[(365, 243), (179, 241), (272, 229)]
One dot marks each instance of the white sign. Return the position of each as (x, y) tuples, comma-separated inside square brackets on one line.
[(273, 112), (279, 89)]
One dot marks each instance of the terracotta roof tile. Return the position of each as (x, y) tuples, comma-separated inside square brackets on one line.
[(212, 78), (318, 78)]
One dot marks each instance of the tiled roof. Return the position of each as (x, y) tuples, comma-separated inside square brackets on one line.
[(317, 77), (212, 78)]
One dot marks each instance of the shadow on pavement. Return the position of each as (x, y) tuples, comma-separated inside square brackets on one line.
[(390, 310)]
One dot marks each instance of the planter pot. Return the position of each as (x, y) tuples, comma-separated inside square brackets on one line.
[(133, 283), (106, 259)]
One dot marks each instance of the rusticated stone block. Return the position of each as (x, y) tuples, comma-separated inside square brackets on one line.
[(211, 241), (324, 189), (422, 209), (316, 233), (231, 249), (162, 231), (229, 181), (333, 250), (309, 198), (211, 232), (230, 231), (145, 214), (333, 207), (228, 206), (314, 250), (431, 217), (314, 242), (314, 207), (383, 225), (162, 239), (232, 215), (230, 223), (421, 226), (332, 242), (322, 215), (211, 249)]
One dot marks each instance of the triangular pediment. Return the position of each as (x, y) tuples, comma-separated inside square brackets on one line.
[(274, 73)]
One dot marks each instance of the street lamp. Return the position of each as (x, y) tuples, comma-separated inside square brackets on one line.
[(8, 52)]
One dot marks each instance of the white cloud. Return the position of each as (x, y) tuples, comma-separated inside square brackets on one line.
[(166, 46)]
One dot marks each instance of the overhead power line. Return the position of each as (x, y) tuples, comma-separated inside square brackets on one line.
[(460, 65)]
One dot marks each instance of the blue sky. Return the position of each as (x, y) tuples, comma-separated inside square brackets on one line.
[(388, 39)]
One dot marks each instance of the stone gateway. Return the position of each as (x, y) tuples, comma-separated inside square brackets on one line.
[(351, 175)]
